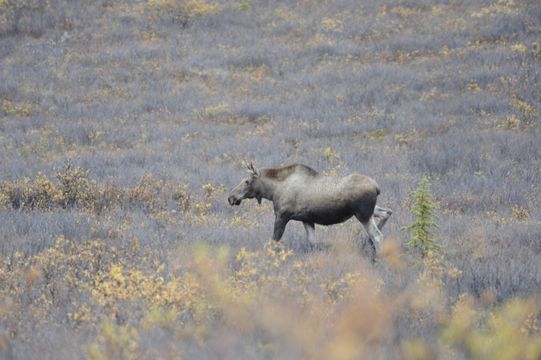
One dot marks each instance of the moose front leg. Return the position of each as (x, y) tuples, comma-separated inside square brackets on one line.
[(279, 227), (310, 233)]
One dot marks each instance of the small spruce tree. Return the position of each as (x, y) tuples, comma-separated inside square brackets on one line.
[(422, 236)]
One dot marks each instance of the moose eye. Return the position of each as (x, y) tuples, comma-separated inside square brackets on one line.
[(246, 182)]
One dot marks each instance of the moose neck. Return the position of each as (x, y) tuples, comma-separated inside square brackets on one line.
[(266, 188)]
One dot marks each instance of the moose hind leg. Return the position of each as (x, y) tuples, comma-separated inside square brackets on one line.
[(310, 233), (374, 234), (381, 215), (364, 213), (372, 250), (373, 231)]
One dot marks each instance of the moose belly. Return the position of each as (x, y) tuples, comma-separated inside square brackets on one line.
[(327, 216)]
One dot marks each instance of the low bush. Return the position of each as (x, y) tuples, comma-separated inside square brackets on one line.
[(72, 188)]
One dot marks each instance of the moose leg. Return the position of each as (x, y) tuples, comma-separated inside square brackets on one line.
[(310, 233), (373, 231), (279, 228), (372, 251), (374, 234), (381, 215)]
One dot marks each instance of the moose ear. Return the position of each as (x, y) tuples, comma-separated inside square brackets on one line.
[(252, 170)]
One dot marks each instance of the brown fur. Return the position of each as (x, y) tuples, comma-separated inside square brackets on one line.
[(282, 173)]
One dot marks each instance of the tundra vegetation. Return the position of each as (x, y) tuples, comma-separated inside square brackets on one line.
[(123, 125)]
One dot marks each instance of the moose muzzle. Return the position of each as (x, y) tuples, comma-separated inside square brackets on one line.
[(233, 200)]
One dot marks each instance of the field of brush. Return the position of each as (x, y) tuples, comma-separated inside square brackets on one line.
[(123, 125)]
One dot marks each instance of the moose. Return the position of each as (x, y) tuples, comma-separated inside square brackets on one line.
[(300, 193)]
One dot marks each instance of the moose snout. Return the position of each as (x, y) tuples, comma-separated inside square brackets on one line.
[(233, 200)]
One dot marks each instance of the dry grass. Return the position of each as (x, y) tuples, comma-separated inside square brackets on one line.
[(123, 124), (266, 304)]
